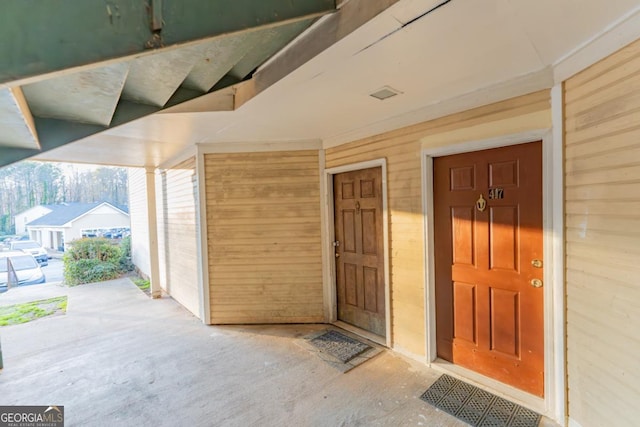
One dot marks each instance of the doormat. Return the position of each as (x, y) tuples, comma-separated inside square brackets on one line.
[(340, 346), (341, 351), (477, 407)]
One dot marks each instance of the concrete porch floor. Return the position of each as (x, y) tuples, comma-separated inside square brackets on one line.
[(118, 358)]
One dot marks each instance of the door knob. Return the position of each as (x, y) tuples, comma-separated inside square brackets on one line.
[(536, 283), (337, 255)]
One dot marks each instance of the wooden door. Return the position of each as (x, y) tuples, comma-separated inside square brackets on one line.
[(488, 258), (359, 249)]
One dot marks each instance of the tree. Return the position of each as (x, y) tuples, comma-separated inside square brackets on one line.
[(27, 184)]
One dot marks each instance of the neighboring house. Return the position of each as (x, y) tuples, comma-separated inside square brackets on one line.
[(23, 218), (71, 221), (458, 181)]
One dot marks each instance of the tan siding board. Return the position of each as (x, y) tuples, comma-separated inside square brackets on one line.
[(604, 67), (603, 240), (247, 318), (606, 161), (586, 250), (615, 208), (629, 241), (250, 202), (610, 143), (613, 86), (617, 125), (615, 191), (269, 221), (604, 224), (624, 173), (264, 239), (402, 151)]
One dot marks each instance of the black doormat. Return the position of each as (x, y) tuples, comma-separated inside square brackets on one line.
[(339, 346), (477, 407)]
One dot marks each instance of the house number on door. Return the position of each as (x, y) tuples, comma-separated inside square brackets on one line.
[(496, 193)]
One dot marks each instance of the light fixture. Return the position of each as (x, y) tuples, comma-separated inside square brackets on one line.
[(385, 92)]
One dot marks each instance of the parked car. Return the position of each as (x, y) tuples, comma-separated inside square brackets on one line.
[(27, 269), (31, 247)]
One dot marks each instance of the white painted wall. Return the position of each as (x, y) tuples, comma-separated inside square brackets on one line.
[(102, 217), (23, 218), (177, 234), (138, 214)]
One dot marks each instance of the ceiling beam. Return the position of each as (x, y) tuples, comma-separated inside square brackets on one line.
[(42, 37), (53, 133)]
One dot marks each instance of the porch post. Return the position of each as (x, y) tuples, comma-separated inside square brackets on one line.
[(152, 224)]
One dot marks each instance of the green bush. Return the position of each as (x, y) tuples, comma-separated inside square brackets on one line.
[(91, 260), (125, 259)]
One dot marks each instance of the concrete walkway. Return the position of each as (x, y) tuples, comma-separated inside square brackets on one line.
[(118, 358)]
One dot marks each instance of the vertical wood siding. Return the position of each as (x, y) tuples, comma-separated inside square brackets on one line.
[(138, 215), (177, 229), (402, 150), (602, 125), (263, 220)]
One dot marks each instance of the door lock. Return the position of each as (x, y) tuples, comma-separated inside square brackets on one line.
[(536, 283), (536, 263)]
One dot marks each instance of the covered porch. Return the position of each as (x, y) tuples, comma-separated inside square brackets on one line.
[(118, 358)]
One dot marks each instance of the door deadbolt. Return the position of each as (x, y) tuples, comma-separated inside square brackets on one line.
[(536, 263), (536, 283)]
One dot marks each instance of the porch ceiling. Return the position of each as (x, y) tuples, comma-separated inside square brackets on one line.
[(458, 56), (84, 67)]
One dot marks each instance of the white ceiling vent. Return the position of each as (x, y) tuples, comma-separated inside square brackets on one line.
[(385, 92)]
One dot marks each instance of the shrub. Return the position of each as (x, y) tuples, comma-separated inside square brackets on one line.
[(125, 259), (91, 260)]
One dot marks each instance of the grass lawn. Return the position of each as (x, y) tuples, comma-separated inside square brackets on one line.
[(28, 311), (143, 285)]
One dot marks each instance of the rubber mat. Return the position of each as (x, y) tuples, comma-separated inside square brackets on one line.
[(477, 407), (340, 346)]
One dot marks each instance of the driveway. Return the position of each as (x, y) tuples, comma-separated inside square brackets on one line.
[(53, 272), (118, 358)]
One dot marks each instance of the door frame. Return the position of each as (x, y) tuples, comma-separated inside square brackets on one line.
[(553, 403), (328, 237)]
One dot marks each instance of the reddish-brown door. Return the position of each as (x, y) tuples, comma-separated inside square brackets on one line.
[(359, 249), (488, 258)]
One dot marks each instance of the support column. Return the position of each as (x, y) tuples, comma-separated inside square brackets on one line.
[(152, 224), (200, 192)]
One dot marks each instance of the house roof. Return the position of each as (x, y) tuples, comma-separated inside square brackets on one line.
[(67, 212), (50, 207)]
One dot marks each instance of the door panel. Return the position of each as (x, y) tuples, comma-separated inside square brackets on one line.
[(464, 295), (503, 238), (359, 251), (463, 235), (488, 229)]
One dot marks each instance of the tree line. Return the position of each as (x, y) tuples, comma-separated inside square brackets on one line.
[(27, 184)]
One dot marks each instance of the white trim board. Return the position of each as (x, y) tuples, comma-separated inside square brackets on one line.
[(330, 302), (553, 404), (259, 146), (614, 37), (202, 237)]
